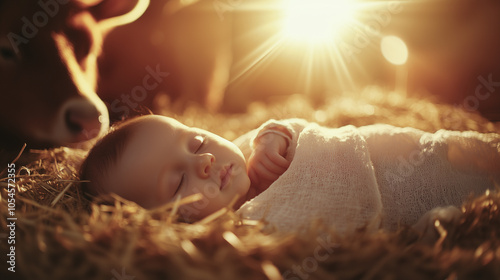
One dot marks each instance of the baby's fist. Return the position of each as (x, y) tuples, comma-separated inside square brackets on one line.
[(268, 161)]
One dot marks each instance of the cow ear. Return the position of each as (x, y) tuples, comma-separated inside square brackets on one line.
[(112, 13)]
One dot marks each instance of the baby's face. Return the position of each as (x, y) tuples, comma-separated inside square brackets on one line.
[(165, 159)]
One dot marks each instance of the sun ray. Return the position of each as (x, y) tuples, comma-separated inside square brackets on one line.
[(326, 50), (316, 21), (257, 57)]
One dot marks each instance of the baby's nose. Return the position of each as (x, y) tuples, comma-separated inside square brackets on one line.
[(204, 164)]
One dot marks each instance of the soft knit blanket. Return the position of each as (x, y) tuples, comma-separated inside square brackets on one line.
[(377, 176)]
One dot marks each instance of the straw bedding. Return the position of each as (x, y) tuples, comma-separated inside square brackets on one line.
[(61, 235)]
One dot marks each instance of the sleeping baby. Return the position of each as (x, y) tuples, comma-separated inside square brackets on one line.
[(291, 172)]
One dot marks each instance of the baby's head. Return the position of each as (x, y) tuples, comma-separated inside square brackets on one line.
[(153, 159)]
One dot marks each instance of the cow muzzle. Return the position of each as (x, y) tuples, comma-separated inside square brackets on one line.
[(80, 120)]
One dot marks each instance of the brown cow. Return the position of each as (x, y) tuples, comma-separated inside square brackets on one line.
[(48, 68), (180, 48)]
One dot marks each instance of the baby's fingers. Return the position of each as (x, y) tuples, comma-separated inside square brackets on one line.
[(259, 183), (274, 167), (278, 160), (264, 174)]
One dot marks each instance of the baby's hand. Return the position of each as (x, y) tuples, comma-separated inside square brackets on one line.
[(268, 161)]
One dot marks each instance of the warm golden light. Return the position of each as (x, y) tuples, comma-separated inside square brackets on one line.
[(317, 20), (324, 43), (394, 50)]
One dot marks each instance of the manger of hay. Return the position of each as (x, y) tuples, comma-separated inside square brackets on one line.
[(59, 234)]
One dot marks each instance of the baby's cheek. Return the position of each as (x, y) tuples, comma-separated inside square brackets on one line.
[(150, 199), (240, 171), (197, 210)]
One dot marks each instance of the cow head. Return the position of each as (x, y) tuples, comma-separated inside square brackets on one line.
[(48, 71)]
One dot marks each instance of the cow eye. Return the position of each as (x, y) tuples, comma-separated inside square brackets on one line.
[(7, 53)]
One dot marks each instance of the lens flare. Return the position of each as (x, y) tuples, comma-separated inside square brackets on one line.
[(324, 43), (394, 50), (316, 20)]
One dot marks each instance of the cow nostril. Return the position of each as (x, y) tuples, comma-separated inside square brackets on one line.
[(73, 125), (83, 122)]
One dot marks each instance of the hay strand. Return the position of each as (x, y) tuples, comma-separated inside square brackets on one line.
[(62, 235)]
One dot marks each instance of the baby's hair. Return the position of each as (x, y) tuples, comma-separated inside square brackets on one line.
[(103, 155)]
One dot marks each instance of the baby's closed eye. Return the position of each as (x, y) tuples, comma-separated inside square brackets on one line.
[(179, 184), (197, 143)]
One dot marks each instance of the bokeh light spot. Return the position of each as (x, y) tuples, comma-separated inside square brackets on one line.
[(394, 50)]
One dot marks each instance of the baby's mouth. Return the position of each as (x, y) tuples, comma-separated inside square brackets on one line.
[(225, 175)]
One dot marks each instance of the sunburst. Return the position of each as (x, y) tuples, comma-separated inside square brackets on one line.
[(317, 21), (323, 34)]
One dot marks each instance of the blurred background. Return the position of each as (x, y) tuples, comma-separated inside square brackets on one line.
[(223, 55)]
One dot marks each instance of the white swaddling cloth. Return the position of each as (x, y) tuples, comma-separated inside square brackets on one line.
[(378, 176)]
